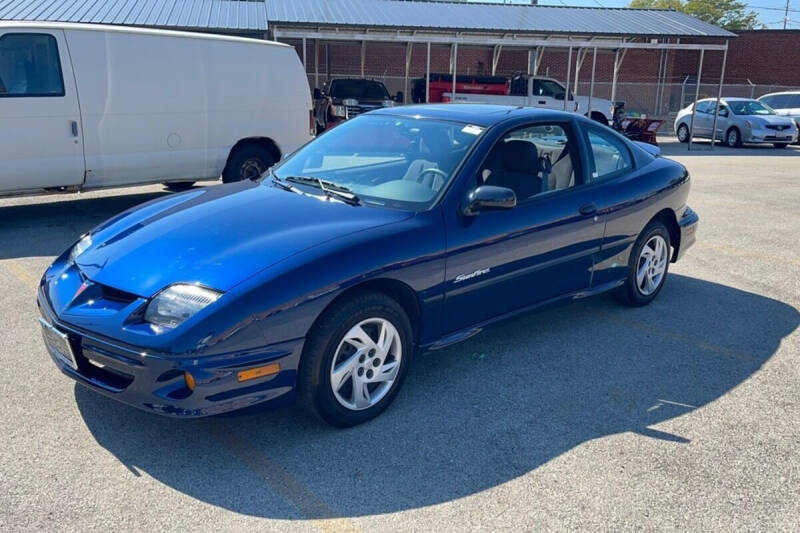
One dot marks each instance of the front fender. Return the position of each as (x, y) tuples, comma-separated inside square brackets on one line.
[(282, 302)]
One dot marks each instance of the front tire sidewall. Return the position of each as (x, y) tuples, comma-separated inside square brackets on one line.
[(685, 136), (321, 348), (736, 142), (631, 293)]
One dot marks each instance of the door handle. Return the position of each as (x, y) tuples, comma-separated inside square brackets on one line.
[(74, 125), (588, 209), (542, 102)]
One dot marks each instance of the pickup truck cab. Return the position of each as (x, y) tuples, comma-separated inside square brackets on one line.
[(343, 98), (539, 91)]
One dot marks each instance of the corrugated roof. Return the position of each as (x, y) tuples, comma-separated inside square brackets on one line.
[(486, 16), (232, 15)]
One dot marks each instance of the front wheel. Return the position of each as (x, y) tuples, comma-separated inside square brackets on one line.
[(683, 133), (648, 265), (355, 359), (733, 138)]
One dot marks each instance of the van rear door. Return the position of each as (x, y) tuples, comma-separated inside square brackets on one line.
[(41, 140)]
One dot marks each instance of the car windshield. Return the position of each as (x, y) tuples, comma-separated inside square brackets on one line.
[(749, 107), (390, 161), (367, 90)]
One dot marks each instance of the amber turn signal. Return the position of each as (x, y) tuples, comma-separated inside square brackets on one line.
[(190, 384), (259, 372)]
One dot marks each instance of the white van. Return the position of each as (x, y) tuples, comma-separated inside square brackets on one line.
[(86, 106)]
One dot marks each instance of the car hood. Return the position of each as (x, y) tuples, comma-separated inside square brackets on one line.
[(217, 236), (772, 120)]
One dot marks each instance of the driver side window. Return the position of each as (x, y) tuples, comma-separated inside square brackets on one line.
[(531, 161)]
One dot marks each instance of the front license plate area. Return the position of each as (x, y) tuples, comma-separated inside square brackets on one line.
[(58, 344)]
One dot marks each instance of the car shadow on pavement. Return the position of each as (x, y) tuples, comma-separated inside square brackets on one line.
[(472, 416), (47, 228)]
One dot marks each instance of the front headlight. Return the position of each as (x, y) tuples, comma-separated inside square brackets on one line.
[(80, 247), (338, 111), (388, 103), (177, 303)]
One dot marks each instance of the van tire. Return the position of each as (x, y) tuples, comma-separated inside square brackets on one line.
[(248, 161), (179, 186)]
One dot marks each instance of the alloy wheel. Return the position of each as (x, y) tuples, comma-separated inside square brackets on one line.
[(652, 265), (366, 364)]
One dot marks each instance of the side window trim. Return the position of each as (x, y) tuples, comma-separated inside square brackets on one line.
[(54, 41)]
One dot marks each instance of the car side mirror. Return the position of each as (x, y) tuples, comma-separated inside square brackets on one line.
[(317, 94), (723, 112), (489, 198), (399, 97)]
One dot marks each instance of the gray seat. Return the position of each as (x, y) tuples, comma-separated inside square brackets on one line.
[(562, 175), (519, 170)]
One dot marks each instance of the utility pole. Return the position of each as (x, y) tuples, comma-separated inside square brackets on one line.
[(786, 15)]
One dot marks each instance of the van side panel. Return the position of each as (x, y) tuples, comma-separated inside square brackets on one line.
[(262, 91), (164, 107)]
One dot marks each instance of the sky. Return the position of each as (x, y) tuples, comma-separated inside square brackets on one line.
[(770, 12)]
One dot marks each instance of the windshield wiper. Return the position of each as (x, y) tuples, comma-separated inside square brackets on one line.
[(280, 183), (331, 189)]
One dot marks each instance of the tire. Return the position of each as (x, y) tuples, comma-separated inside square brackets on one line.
[(179, 186), (780, 145), (636, 292), (683, 133), (599, 117), (733, 138), (326, 349), (248, 161)]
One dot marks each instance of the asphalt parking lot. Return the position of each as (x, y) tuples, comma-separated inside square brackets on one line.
[(681, 415)]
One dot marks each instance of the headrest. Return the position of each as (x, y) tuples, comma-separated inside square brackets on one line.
[(520, 156)]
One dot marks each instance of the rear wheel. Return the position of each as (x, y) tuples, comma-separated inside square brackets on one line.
[(683, 133), (648, 265), (733, 138), (246, 163), (355, 359)]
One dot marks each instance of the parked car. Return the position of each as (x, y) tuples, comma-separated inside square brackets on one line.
[(85, 106), (542, 92), (404, 229), (785, 104), (341, 99), (739, 121)]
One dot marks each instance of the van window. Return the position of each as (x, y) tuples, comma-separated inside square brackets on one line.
[(29, 65)]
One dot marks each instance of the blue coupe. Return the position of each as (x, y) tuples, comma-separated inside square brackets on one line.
[(405, 229)]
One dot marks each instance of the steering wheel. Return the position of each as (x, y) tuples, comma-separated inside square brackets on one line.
[(432, 170)]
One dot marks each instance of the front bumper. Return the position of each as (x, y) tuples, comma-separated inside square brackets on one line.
[(688, 226), (156, 383), (766, 135)]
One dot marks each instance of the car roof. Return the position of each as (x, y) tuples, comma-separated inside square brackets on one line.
[(779, 93), (48, 25), (478, 114), (729, 99)]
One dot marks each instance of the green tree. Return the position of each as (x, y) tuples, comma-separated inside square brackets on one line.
[(728, 14)]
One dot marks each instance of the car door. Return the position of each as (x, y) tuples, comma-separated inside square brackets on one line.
[(702, 124), (547, 94), (722, 120), (501, 261), (41, 140)]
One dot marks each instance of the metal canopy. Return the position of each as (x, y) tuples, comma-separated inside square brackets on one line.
[(224, 15), (493, 17)]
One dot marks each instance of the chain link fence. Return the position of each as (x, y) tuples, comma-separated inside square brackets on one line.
[(664, 100)]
